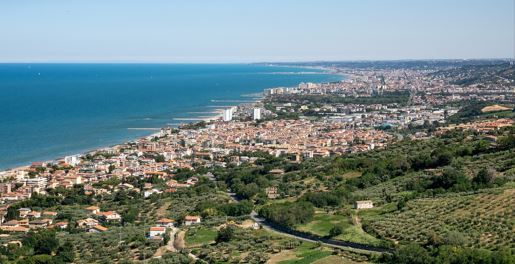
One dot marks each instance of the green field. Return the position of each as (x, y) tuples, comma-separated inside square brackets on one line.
[(352, 231), (335, 260), (198, 236), (307, 253)]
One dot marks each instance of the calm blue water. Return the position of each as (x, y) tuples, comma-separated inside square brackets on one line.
[(51, 110)]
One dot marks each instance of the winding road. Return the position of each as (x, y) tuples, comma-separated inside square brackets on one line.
[(310, 237)]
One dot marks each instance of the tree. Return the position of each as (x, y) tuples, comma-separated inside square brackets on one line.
[(506, 142), (248, 191), (322, 199), (412, 254), (225, 234), (166, 237), (335, 231), (66, 252), (443, 158), (455, 238), (43, 241), (237, 209), (401, 204), (434, 239), (111, 168), (483, 177), (288, 214), (130, 215), (159, 158), (451, 177)]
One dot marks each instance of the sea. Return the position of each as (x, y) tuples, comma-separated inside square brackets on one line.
[(48, 111)]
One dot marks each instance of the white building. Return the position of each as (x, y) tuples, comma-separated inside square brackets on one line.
[(157, 231), (40, 182), (72, 160), (165, 222), (228, 114), (363, 204), (190, 220), (257, 113), (147, 193)]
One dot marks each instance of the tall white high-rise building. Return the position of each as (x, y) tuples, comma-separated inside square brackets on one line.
[(227, 114), (257, 113)]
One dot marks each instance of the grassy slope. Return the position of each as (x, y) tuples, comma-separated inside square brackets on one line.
[(200, 236), (307, 253), (323, 222)]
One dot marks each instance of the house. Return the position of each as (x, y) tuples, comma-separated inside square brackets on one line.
[(13, 196), (147, 193), (276, 171), (190, 220), (87, 223), (18, 243), (271, 192), (175, 184), (34, 214), (165, 222), (23, 212), (14, 229), (88, 189), (24, 222), (61, 225), (49, 213), (12, 223), (363, 204), (110, 216), (13, 226), (97, 229), (156, 231), (192, 181), (93, 209), (36, 224)]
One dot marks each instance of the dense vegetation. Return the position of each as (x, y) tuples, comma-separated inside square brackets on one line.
[(288, 214), (452, 254), (423, 190)]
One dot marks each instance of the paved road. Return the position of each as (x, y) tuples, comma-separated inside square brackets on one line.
[(312, 238)]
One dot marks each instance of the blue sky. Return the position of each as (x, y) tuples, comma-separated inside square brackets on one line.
[(250, 31)]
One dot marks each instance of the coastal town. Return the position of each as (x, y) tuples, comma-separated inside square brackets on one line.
[(368, 110)]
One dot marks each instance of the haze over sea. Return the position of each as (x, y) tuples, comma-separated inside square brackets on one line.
[(51, 110)]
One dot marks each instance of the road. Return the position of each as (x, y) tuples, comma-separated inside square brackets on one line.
[(312, 238), (169, 247)]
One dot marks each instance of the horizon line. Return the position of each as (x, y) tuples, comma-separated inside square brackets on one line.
[(244, 62)]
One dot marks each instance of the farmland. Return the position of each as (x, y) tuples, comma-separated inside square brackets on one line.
[(485, 219)]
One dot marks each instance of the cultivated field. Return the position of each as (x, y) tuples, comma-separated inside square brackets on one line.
[(486, 219)]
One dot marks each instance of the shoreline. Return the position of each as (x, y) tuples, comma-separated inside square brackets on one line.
[(217, 115)]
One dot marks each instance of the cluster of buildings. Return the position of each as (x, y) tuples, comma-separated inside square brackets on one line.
[(429, 97), (28, 219), (159, 155), (361, 116), (301, 138), (339, 128), (479, 126)]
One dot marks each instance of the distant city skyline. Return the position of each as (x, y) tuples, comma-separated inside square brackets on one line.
[(233, 31)]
